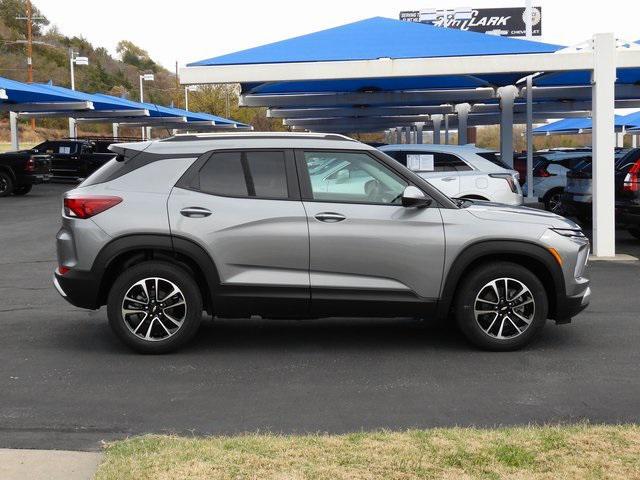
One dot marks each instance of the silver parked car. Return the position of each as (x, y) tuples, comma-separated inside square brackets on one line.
[(304, 226)]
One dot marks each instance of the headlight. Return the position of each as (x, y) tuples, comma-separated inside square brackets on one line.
[(569, 232)]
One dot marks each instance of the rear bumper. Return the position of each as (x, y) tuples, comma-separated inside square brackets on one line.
[(80, 289), (33, 178)]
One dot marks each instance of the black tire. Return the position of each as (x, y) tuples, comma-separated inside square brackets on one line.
[(123, 327), (471, 287), (553, 201), (22, 190), (6, 184), (635, 232)]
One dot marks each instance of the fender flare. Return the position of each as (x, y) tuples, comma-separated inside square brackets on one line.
[(487, 249), (165, 243)]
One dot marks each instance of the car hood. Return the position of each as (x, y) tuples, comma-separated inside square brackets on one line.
[(508, 213)]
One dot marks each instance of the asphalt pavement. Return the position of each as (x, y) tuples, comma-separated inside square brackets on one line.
[(67, 383)]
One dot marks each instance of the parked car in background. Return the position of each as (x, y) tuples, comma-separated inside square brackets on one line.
[(20, 170), (236, 225), (578, 197), (461, 171), (549, 177), (75, 159)]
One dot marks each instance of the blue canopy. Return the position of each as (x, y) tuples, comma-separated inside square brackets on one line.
[(624, 76), (18, 92), (379, 37), (161, 111), (576, 125), (376, 38)]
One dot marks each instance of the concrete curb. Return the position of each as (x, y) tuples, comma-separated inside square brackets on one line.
[(48, 464)]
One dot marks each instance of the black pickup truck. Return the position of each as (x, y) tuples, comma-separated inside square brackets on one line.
[(20, 170), (75, 159)]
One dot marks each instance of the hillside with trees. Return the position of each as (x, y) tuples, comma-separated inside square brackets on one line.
[(105, 74)]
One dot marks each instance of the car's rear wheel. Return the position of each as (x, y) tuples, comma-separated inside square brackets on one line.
[(6, 184), (553, 201), (155, 307), (635, 232), (22, 190), (501, 306)]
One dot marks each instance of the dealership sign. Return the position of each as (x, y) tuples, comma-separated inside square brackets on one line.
[(508, 22)]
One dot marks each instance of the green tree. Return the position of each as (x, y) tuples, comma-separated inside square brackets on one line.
[(133, 55), (10, 9)]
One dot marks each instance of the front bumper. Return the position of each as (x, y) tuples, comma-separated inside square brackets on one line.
[(78, 288), (570, 306)]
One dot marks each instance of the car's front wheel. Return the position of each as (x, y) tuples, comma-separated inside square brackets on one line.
[(155, 307), (501, 306)]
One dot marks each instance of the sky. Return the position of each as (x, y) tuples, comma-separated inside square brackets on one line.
[(190, 30)]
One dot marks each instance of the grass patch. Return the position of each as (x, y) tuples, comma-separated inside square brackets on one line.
[(550, 452)]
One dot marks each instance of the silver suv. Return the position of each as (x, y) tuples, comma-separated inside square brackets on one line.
[(304, 226)]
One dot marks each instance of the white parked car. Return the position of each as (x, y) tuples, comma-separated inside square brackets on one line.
[(461, 171)]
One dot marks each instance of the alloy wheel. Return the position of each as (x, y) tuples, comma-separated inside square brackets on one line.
[(3, 184), (154, 309), (555, 203), (504, 308)]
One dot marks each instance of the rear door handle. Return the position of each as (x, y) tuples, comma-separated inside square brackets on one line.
[(449, 179), (330, 217), (195, 212)]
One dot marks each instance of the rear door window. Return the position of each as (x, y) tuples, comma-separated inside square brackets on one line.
[(258, 174)]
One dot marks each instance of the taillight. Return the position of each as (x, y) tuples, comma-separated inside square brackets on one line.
[(632, 179), (62, 270), (30, 166), (508, 178), (89, 205), (542, 172)]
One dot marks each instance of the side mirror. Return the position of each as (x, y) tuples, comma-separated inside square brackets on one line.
[(413, 197)]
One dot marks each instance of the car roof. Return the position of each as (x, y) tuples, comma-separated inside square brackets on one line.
[(432, 147), (200, 143)]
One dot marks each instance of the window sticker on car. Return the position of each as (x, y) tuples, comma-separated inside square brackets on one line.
[(64, 150), (420, 163)]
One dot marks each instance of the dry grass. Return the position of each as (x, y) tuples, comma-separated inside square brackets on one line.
[(552, 452)]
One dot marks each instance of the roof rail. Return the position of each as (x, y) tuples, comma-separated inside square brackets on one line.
[(187, 137)]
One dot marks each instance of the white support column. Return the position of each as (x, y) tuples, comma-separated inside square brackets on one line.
[(437, 120), (507, 96), (462, 109), (13, 126), (634, 141), (114, 130), (73, 128), (446, 129), (603, 135), (148, 133), (419, 128), (619, 139), (398, 135)]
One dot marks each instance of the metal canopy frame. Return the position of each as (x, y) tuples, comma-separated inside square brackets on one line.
[(349, 110)]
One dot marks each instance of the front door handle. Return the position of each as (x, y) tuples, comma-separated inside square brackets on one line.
[(449, 179), (195, 212), (330, 217)]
